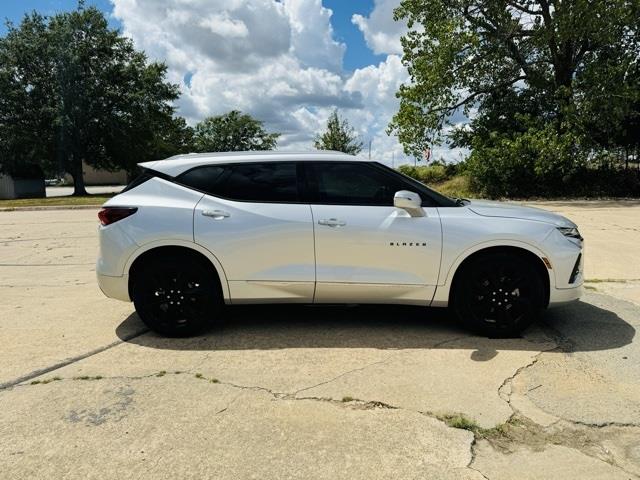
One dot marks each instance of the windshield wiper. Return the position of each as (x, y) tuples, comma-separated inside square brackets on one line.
[(461, 202)]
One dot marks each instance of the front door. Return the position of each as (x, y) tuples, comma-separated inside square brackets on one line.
[(366, 249)]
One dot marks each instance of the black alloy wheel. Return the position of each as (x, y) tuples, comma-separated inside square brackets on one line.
[(176, 296), (498, 295)]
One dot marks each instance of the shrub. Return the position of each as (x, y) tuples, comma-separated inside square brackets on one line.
[(537, 162), (428, 174)]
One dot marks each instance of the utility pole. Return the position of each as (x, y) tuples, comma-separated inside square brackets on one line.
[(370, 140)]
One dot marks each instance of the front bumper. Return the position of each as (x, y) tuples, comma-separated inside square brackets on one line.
[(115, 287), (560, 296)]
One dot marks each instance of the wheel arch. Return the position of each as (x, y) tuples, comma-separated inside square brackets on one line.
[(160, 248), (532, 254)]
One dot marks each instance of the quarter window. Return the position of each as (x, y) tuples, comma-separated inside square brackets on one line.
[(204, 178)]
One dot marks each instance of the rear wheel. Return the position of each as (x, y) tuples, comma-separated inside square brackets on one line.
[(176, 296), (498, 294)]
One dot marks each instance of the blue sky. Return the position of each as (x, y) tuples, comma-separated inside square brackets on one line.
[(14, 10), (289, 63)]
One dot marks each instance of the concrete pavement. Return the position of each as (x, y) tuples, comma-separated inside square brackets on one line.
[(301, 392), (612, 232)]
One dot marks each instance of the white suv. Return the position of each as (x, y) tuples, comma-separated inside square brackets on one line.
[(197, 231)]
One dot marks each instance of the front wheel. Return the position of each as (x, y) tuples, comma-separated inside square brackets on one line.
[(176, 296), (498, 294)]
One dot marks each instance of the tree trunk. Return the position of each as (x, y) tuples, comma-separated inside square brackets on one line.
[(78, 178)]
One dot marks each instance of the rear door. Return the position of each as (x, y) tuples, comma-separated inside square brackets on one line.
[(251, 218), (366, 249)]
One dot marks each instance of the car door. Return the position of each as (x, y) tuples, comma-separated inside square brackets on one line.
[(366, 249), (252, 220)]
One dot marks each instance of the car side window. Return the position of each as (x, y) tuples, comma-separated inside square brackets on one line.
[(204, 178), (353, 184), (249, 182)]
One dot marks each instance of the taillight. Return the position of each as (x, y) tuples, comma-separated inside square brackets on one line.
[(109, 215)]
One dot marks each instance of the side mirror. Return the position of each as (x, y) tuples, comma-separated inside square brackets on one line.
[(409, 201)]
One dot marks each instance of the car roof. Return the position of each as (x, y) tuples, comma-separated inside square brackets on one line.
[(178, 164)]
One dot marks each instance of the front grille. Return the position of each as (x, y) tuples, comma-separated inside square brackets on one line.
[(576, 269)]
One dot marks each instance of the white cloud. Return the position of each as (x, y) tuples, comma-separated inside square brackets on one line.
[(312, 40), (221, 24), (277, 60), (380, 31)]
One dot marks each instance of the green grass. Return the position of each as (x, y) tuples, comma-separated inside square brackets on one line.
[(459, 420), (88, 377), (56, 201), (457, 187), (45, 381)]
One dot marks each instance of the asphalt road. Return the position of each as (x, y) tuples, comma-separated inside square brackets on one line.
[(303, 392)]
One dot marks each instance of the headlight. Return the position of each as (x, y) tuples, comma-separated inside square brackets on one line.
[(571, 232)]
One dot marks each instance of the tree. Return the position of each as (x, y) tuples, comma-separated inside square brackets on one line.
[(339, 136), (232, 132), (557, 57), (27, 106), (78, 91)]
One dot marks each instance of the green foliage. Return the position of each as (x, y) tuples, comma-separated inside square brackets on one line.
[(536, 162), (72, 89), (450, 179), (461, 422), (425, 174), (436, 172), (550, 87), (539, 163), (458, 187), (233, 131), (339, 136)]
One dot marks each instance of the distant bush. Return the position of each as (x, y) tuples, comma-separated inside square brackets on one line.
[(542, 163), (431, 174)]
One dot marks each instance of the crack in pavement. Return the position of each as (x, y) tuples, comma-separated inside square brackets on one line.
[(359, 369), (379, 362), (565, 346), (501, 438), (59, 239), (69, 361)]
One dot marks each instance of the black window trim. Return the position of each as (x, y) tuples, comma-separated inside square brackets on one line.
[(304, 181), (301, 194), (430, 201), (438, 199), (144, 176)]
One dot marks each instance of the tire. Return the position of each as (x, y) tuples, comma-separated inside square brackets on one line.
[(177, 295), (498, 294)]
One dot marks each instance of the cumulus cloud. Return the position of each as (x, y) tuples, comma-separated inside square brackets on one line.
[(277, 60), (380, 31)]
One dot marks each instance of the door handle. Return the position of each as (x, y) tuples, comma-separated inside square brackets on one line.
[(332, 222), (216, 214)]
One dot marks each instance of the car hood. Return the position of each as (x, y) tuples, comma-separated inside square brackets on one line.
[(510, 210)]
